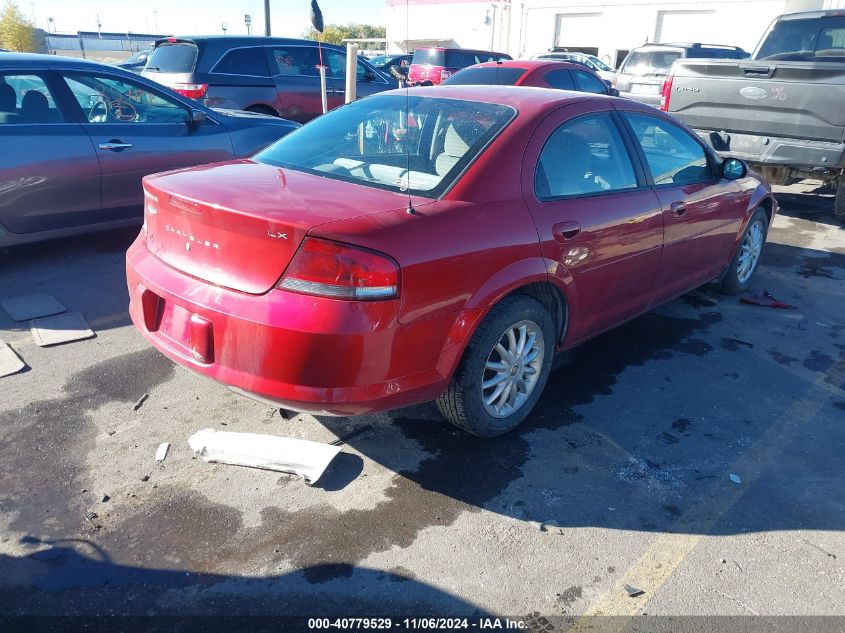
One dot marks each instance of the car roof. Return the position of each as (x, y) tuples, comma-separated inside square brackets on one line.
[(527, 100), (529, 64), (23, 60)]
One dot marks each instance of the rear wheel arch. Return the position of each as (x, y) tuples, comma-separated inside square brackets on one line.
[(263, 108)]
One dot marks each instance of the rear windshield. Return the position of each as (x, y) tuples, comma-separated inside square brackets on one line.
[(173, 58), (433, 56), (650, 62), (486, 77), (821, 39), (394, 142)]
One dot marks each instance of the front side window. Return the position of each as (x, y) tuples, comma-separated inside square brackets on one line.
[(337, 66), (673, 156), (486, 76), (110, 100), (243, 61), (398, 143), (583, 157), (588, 83), (26, 99)]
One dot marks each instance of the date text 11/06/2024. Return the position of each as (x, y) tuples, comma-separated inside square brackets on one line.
[(416, 624)]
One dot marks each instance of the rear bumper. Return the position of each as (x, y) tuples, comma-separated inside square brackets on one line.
[(304, 353), (777, 151)]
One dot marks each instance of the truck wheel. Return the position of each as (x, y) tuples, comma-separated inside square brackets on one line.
[(839, 204), (744, 263), (503, 370)]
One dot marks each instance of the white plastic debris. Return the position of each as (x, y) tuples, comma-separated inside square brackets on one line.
[(10, 363), (307, 459), (736, 478), (161, 453), (60, 329), (32, 306)]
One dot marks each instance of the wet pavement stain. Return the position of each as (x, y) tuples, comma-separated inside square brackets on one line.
[(695, 300), (818, 362), (681, 425), (568, 596), (821, 266), (46, 494), (781, 358)]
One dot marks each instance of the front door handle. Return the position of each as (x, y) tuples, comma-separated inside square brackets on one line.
[(565, 231), (115, 145), (678, 208)]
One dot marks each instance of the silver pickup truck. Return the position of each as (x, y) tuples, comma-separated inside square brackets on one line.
[(783, 110)]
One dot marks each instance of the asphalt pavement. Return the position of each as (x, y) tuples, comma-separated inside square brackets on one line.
[(626, 463)]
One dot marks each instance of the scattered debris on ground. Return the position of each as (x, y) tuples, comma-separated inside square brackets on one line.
[(283, 454), (633, 592), (140, 402), (736, 478), (32, 306), (161, 453), (549, 524), (10, 362), (60, 329), (766, 300)]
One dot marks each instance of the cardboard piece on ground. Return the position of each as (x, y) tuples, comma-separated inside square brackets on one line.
[(301, 457), (60, 329), (10, 363), (32, 306)]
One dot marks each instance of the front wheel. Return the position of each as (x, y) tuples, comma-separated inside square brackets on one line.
[(747, 258), (503, 370)]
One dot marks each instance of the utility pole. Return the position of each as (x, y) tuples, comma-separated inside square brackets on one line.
[(267, 18), (155, 19), (224, 27), (100, 35)]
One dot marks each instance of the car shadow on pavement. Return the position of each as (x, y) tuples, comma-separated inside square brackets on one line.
[(78, 579)]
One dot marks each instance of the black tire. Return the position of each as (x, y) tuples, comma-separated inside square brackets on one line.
[(730, 282), (462, 402), (839, 201)]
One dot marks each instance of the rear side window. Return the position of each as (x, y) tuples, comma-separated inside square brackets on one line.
[(296, 60), (243, 61), (673, 156), (433, 56), (560, 79), (584, 157), (586, 82), (462, 59), (650, 62), (26, 99), (486, 76), (178, 57)]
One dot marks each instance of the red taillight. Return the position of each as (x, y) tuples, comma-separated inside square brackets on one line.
[(192, 91), (666, 92), (330, 269)]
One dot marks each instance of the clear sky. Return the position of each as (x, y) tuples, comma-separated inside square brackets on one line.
[(194, 17)]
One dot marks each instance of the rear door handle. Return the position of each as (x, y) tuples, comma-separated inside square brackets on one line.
[(115, 145), (565, 231), (678, 208)]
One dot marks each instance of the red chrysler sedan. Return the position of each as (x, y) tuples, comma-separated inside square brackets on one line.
[(537, 73), (440, 245)]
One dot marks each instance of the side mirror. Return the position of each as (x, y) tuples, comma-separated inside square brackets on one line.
[(369, 75), (197, 117), (613, 92), (733, 169)]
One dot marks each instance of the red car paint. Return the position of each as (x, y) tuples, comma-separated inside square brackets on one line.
[(433, 64), (203, 291), (538, 73)]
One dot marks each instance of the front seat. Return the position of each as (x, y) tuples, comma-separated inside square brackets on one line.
[(456, 143), (34, 107)]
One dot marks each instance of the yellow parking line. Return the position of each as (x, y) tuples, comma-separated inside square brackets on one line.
[(668, 551), (102, 322)]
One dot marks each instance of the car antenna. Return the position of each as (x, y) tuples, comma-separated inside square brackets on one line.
[(410, 210)]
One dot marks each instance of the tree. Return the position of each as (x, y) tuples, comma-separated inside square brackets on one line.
[(16, 32), (336, 33)]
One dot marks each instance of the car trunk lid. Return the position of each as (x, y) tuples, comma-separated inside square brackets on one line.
[(238, 224)]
